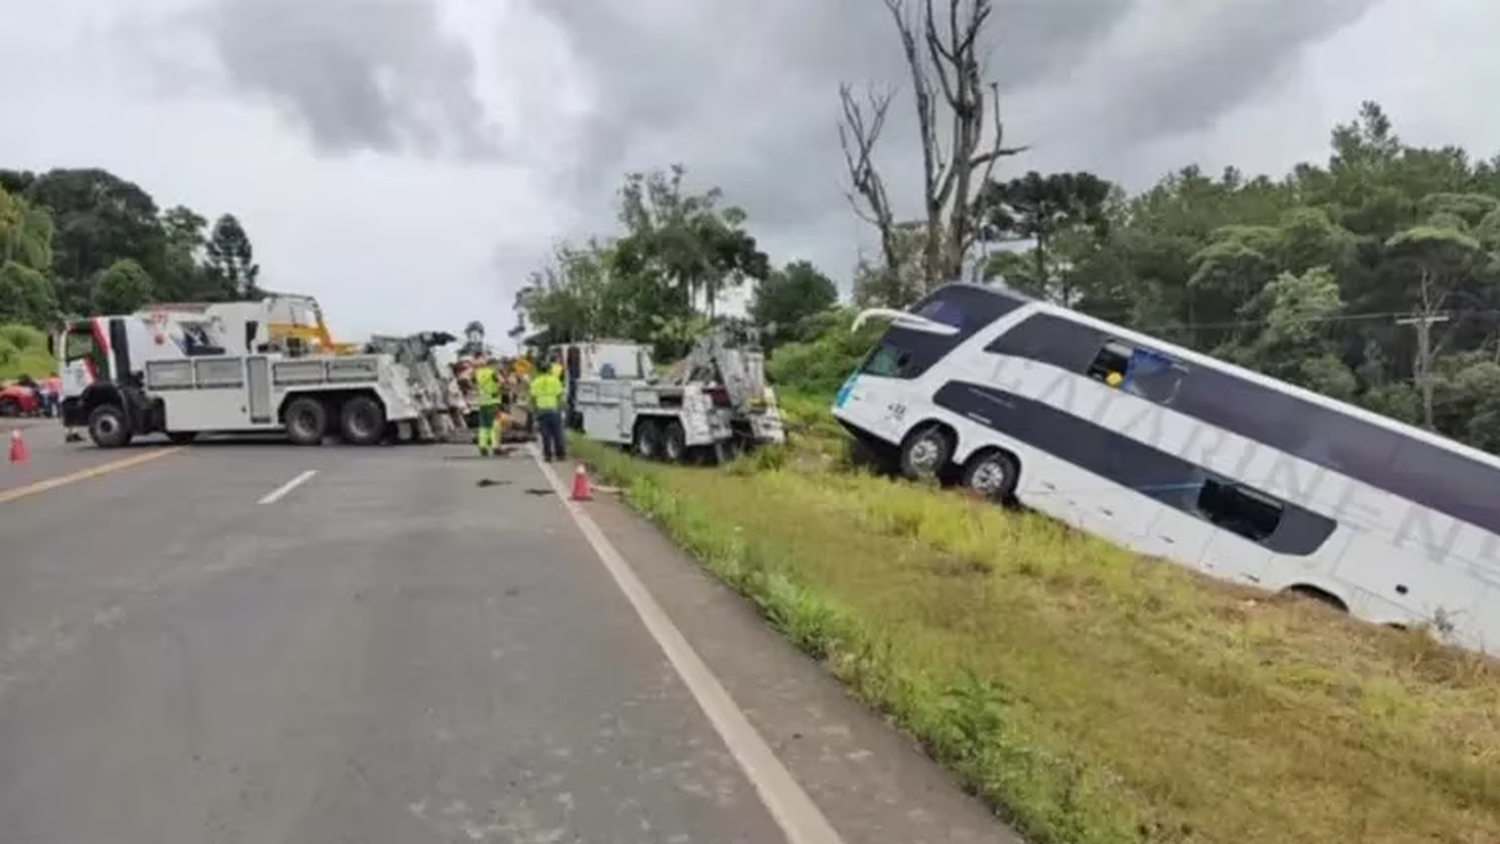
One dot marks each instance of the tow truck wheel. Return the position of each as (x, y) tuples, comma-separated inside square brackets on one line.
[(108, 427), (10, 406), (674, 443), (306, 421), (646, 439), (362, 421)]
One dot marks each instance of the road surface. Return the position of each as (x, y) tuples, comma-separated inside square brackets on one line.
[(262, 643)]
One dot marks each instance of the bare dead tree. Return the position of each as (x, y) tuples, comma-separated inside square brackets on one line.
[(947, 72), (863, 121)]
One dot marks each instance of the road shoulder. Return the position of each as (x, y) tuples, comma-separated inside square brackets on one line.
[(874, 783)]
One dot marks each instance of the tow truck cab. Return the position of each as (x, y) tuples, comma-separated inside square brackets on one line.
[(94, 362)]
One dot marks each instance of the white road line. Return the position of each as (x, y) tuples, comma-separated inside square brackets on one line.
[(278, 493), (799, 818)]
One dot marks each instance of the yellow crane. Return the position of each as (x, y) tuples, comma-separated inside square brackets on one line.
[(300, 316), (290, 316)]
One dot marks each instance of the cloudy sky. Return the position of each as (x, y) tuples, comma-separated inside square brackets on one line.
[(408, 161)]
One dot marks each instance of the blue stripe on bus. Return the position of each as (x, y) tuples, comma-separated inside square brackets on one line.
[(1117, 458)]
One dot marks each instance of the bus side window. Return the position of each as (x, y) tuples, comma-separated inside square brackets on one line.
[(1153, 377), (1233, 507), (1140, 372), (1112, 359)]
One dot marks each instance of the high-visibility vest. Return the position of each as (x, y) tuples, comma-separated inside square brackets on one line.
[(546, 389), (487, 386)]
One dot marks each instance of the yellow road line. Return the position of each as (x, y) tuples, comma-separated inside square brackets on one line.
[(84, 474)]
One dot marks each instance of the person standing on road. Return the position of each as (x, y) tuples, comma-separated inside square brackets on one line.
[(487, 397), (546, 391), (52, 387)]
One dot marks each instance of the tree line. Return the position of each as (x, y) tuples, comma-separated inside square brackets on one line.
[(80, 241)]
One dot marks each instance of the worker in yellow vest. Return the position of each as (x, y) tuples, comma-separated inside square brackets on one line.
[(546, 393), (487, 396)]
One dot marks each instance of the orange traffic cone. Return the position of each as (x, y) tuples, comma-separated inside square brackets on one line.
[(17, 447), (581, 489)]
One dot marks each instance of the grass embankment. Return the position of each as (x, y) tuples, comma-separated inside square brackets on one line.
[(1090, 695), (23, 351)]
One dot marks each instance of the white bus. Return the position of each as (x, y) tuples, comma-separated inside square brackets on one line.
[(1175, 454)]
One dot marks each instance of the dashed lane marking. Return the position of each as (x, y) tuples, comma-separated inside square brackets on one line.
[(278, 493)]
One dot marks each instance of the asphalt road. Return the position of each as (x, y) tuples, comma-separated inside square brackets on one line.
[(261, 643)]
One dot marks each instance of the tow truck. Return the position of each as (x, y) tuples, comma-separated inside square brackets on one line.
[(709, 406), (186, 370)]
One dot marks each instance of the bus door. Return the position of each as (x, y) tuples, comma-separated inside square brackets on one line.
[(874, 398), (1176, 531)]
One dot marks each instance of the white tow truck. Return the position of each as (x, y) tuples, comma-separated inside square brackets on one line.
[(185, 370), (709, 406)]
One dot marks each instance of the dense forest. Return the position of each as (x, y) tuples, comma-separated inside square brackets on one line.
[(78, 241), (1372, 277)]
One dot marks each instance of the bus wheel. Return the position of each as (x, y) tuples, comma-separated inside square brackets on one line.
[(925, 453), (993, 474)]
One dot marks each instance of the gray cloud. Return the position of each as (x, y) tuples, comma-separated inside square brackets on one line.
[(378, 75), (1194, 64), (746, 94)]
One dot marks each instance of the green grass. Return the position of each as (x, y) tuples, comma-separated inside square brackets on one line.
[(23, 351), (1087, 694)]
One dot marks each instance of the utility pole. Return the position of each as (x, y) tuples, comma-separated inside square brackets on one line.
[(1424, 323)]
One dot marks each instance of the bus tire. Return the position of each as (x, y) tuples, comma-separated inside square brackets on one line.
[(993, 474), (306, 421), (926, 452), (109, 427), (362, 421)]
